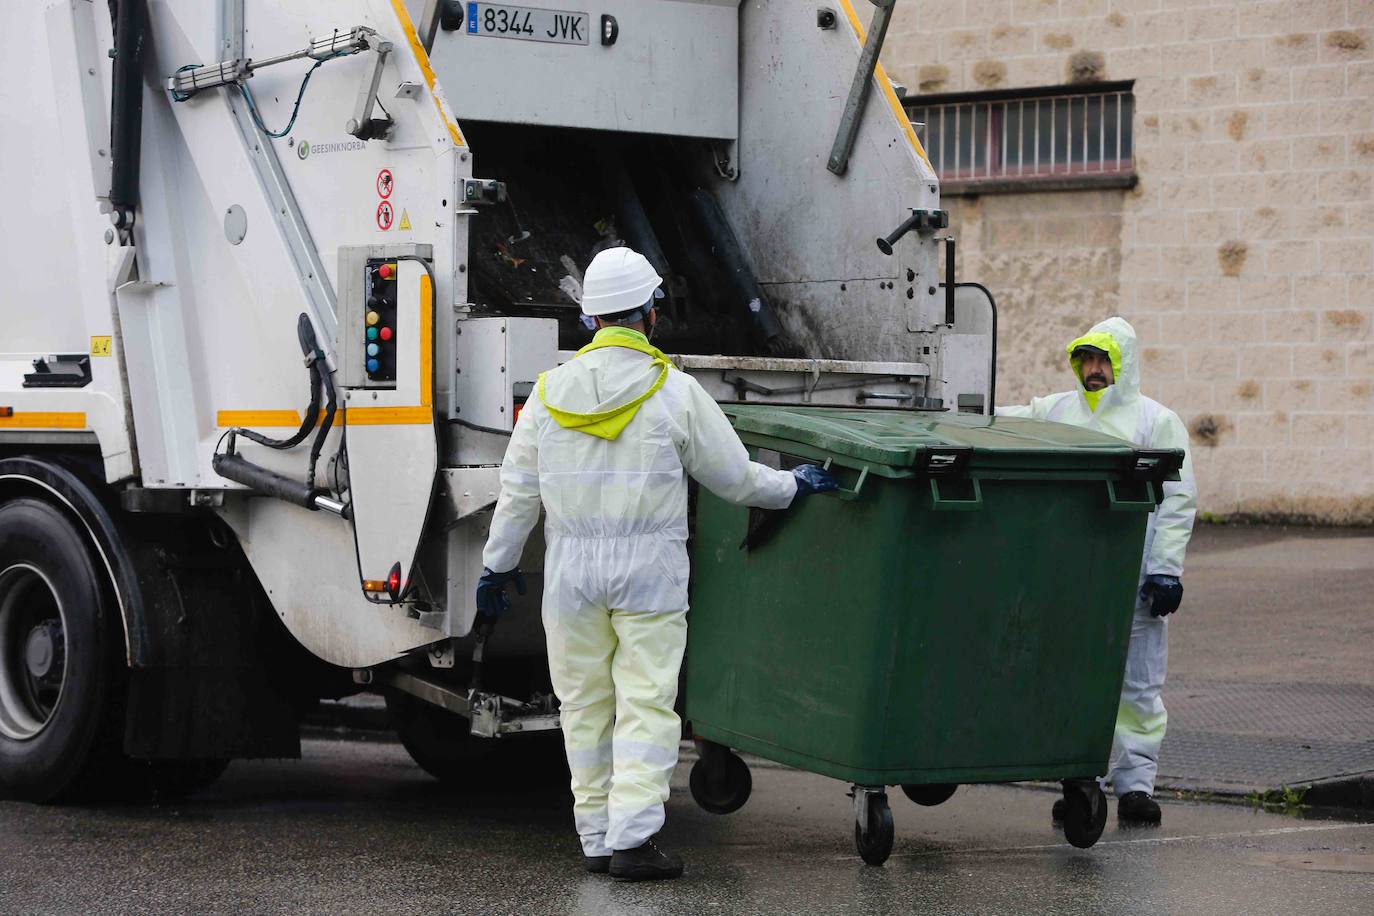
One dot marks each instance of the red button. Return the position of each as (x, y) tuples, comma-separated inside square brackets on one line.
[(386, 271), (386, 333)]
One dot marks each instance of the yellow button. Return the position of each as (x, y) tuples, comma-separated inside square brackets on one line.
[(373, 318)]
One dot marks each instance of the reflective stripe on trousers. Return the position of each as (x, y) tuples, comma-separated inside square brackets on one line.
[(616, 675), (1141, 717)]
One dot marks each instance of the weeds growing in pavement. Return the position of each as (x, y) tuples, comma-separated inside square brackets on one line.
[(1283, 800)]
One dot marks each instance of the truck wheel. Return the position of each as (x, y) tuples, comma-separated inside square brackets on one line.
[(177, 779), (440, 742), (61, 678), (436, 739)]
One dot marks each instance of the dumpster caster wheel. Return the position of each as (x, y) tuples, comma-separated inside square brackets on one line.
[(930, 795), (1085, 812), (875, 843), (720, 780)]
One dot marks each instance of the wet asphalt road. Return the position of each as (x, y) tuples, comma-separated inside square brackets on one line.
[(354, 827)]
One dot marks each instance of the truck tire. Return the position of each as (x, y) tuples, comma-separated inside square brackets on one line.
[(436, 739), (174, 780), (62, 678), (439, 741)]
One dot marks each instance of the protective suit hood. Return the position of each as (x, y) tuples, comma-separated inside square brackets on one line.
[(1117, 338), (598, 396)]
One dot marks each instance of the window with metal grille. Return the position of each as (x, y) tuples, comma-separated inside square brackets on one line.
[(1058, 137)]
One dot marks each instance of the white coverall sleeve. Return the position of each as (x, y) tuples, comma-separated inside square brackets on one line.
[(517, 510), (1037, 409), (713, 455), (1174, 518)]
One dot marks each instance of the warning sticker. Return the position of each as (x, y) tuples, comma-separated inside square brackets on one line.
[(101, 345), (405, 219), (385, 216), (385, 184)]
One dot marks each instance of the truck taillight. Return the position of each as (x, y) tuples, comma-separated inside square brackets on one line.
[(391, 585)]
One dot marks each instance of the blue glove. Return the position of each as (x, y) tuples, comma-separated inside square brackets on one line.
[(492, 598), (1162, 593), (812, 478)]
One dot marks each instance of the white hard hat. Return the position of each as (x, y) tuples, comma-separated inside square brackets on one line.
[(618, 280)]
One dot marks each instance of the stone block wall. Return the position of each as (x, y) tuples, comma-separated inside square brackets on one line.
[(1245, 255)]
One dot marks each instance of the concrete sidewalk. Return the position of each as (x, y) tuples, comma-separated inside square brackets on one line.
[(1271, 667)]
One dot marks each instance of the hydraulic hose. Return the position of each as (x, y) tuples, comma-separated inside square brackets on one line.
[(330, 409), (314, 359), (306, 332), (238, 469)]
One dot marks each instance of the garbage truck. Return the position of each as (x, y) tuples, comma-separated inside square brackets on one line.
[(282, 276)]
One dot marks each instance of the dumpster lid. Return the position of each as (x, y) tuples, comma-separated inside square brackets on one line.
[(907, 439)]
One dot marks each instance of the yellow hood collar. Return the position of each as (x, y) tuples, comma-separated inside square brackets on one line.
[(609, 424), (1102, 341)]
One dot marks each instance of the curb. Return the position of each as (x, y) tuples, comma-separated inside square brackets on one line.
[(1343, 793), (1354, 792)]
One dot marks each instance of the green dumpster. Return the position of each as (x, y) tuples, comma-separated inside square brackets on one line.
[(958, 613)]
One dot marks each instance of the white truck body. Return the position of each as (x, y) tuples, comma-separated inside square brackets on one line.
[(186, 306)]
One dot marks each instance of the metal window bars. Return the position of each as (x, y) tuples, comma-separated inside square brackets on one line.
[(1086, 133)]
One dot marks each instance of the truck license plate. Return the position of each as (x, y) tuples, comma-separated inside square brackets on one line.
[(494, 20)]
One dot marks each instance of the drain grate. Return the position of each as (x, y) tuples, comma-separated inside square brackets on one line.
[(1233, 736)]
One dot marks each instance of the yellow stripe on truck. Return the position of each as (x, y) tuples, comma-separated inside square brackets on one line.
[(227, 418), (388, 416), (422, 58), (44, 419), (290, 419), (885, 86), (364, 416)]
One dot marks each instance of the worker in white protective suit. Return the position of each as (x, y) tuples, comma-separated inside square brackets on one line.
[(606, 445), (1106, 363)]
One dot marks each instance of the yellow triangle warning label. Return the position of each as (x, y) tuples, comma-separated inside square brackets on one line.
[(405, 220)]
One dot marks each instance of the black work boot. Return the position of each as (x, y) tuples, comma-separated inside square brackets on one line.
[(1138, 808), (597, 865), (645, 863)]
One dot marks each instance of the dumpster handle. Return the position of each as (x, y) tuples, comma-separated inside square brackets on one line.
[(941, 504), (1132, 505), (850, 495)]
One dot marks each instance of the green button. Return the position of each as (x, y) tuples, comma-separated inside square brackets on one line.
[(371, 333)]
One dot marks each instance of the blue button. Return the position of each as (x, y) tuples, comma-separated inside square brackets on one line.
[(371, 333), (372, 365), (373, 349)]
